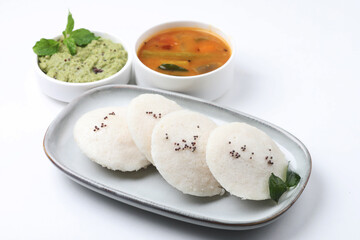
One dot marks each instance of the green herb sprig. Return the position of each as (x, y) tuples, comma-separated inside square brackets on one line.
[(80, 37), (278, 187)]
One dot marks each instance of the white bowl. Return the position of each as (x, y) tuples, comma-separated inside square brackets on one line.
[(65, 91), (209, 85)]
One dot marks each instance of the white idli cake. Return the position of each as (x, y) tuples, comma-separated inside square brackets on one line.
[(103, 136), (144, 112), (179, 148), (242, 158)]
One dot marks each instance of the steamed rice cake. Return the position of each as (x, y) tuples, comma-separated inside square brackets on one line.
[(144, 112), (103, 136), (178, 149), (242, 158)]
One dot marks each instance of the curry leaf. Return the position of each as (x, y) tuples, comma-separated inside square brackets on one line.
[(83, 37), (292, 178), (277, 187), (70, 43), (172, 67), (46, 47)]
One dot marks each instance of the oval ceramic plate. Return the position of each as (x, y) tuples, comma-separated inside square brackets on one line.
[(146, 189)]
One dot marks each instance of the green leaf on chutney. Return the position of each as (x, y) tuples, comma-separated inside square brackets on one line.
[(70, 24), (80, 37), (70, 43), (83, 37), (46, 47)]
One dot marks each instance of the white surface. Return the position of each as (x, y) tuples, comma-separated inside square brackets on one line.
[(297, 66)]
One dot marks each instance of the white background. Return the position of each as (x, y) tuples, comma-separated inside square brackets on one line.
[(297, 66)]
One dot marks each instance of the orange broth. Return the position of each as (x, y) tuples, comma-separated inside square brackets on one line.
[(184, 51)]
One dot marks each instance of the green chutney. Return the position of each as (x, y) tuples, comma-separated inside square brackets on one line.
[(98, 60)]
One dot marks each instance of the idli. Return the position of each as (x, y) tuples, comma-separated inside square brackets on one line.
[(242, 158), (178, 149), (144, 112), (104, 137)]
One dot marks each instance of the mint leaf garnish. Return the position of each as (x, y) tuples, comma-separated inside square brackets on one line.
[(83, 37), (70, 24), (46, 47), (80, 37), (292, 178), (277, 187), (70, 43)]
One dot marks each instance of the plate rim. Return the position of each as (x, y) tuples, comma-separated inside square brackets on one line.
[(161, 209)]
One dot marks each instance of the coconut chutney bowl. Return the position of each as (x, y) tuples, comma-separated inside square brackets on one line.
[(67, 91), (209, 85)]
